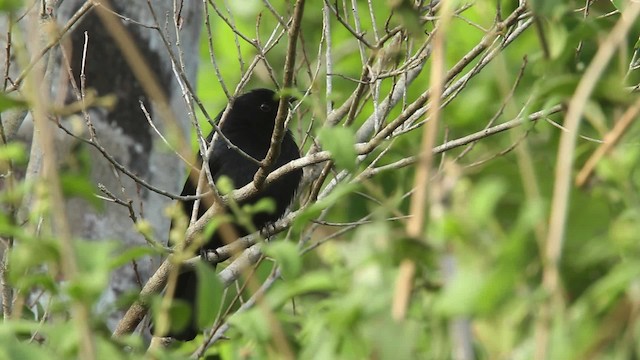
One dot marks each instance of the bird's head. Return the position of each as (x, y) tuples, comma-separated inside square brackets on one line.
[(257, 109)]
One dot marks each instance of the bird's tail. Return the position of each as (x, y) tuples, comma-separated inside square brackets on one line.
[(186, 292)]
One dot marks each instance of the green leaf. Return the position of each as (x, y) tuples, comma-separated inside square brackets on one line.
[(318, 281), (340, 141), (12, 348), (605, 291), (215, 223), (408, 14), (558, 36), (287, 255), (484, 199), (209, 294), (461, 293), (37, 280), (131, 254), (7, 6), (32, 253), (108, 349), (316, 208), (179, 314), (548, 8), (265, 205), (252, 324), (94, 262), (293, 93), (64, 338), (619, 4), (74, 185), (13, 151), (224, 185)]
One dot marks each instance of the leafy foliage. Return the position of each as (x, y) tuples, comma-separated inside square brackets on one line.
[(349, 279)]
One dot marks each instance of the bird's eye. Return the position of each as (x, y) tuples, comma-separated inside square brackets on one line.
[(265, 107)]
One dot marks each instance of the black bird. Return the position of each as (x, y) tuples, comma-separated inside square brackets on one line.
[(249, 126)]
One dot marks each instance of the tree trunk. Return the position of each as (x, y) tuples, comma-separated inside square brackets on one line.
[(123, 130)]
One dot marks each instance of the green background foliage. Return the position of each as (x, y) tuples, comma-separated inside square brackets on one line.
[(480, 260)]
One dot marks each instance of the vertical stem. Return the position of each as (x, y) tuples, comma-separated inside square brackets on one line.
[(326, 20), (37, 92)]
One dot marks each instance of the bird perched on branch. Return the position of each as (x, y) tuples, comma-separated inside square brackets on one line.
[(249, 126)]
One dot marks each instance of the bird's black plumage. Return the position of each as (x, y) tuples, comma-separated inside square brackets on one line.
[(249, 126)]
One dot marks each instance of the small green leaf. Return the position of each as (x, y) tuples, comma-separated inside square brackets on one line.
[(7, 6), (558, 37), (12, 348), (484, 199), (293, 93), (37, 280), (224, 184), (77, 186), (318, 281), (547, 8), (287, 256), (606, 290), (407, 13), (32, 253), (311, 212), (619, 4), (13, 151), (461, 293), (252, 324), (209, 293), (179, 315), (94, 269), (215, 223), (340, 143), (131, 254), (265, 205)]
